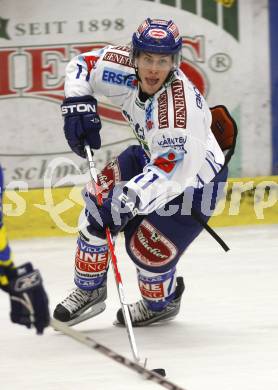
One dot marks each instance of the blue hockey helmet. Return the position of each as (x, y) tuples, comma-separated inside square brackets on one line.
[(157, 36)]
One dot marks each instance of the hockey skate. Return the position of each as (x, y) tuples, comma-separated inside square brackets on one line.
[(142, 316), (81, 305)]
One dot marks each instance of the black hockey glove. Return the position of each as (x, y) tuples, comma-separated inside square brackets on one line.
[(115, 212), (82, 123), (29, 302)]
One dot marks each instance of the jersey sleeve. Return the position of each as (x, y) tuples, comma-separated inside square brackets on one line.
[(79, 73), (106, 73)]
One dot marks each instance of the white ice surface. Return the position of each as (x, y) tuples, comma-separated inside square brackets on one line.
[(225, 337)]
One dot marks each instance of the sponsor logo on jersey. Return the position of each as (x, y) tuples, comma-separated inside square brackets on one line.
[(117, 58), (199, 103), (122, 48), (163, 111), (179, 104), (91, 62), (165, 164), (112, 76), (146, 251), (147, 245), (127, 202), (173, 142)]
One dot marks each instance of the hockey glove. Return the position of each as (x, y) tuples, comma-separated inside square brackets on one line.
[(114, 213), (29, 302), (224, 129), (82, 123)]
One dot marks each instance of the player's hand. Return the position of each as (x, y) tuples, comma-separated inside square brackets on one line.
[(114, 213), (29, 302), (82, 123)]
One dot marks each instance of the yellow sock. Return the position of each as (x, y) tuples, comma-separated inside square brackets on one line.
[(3, 238), (5, 252)]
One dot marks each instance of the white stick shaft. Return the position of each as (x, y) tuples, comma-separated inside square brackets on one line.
[(118, 281)]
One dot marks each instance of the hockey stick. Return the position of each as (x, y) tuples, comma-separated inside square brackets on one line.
[(133, 365), (110, 243)]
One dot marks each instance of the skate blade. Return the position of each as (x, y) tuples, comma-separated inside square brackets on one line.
[(91, 312)]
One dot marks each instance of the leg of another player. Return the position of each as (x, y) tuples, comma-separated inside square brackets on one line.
[(5, 251)]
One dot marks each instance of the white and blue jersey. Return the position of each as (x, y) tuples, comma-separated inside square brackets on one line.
[(172, 126)]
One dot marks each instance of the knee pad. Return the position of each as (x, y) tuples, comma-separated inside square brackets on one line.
[(157, 290), (150, 249), (91, 261)]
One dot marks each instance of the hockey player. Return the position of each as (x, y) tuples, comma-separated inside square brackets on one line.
[(28, 299), (150, 190)]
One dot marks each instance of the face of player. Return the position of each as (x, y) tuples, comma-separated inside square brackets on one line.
[(153, 70)]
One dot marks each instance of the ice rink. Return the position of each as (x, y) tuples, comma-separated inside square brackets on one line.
[(225, 338)]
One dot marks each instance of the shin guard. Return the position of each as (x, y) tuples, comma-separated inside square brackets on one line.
[(157, 290), (91, 261)]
